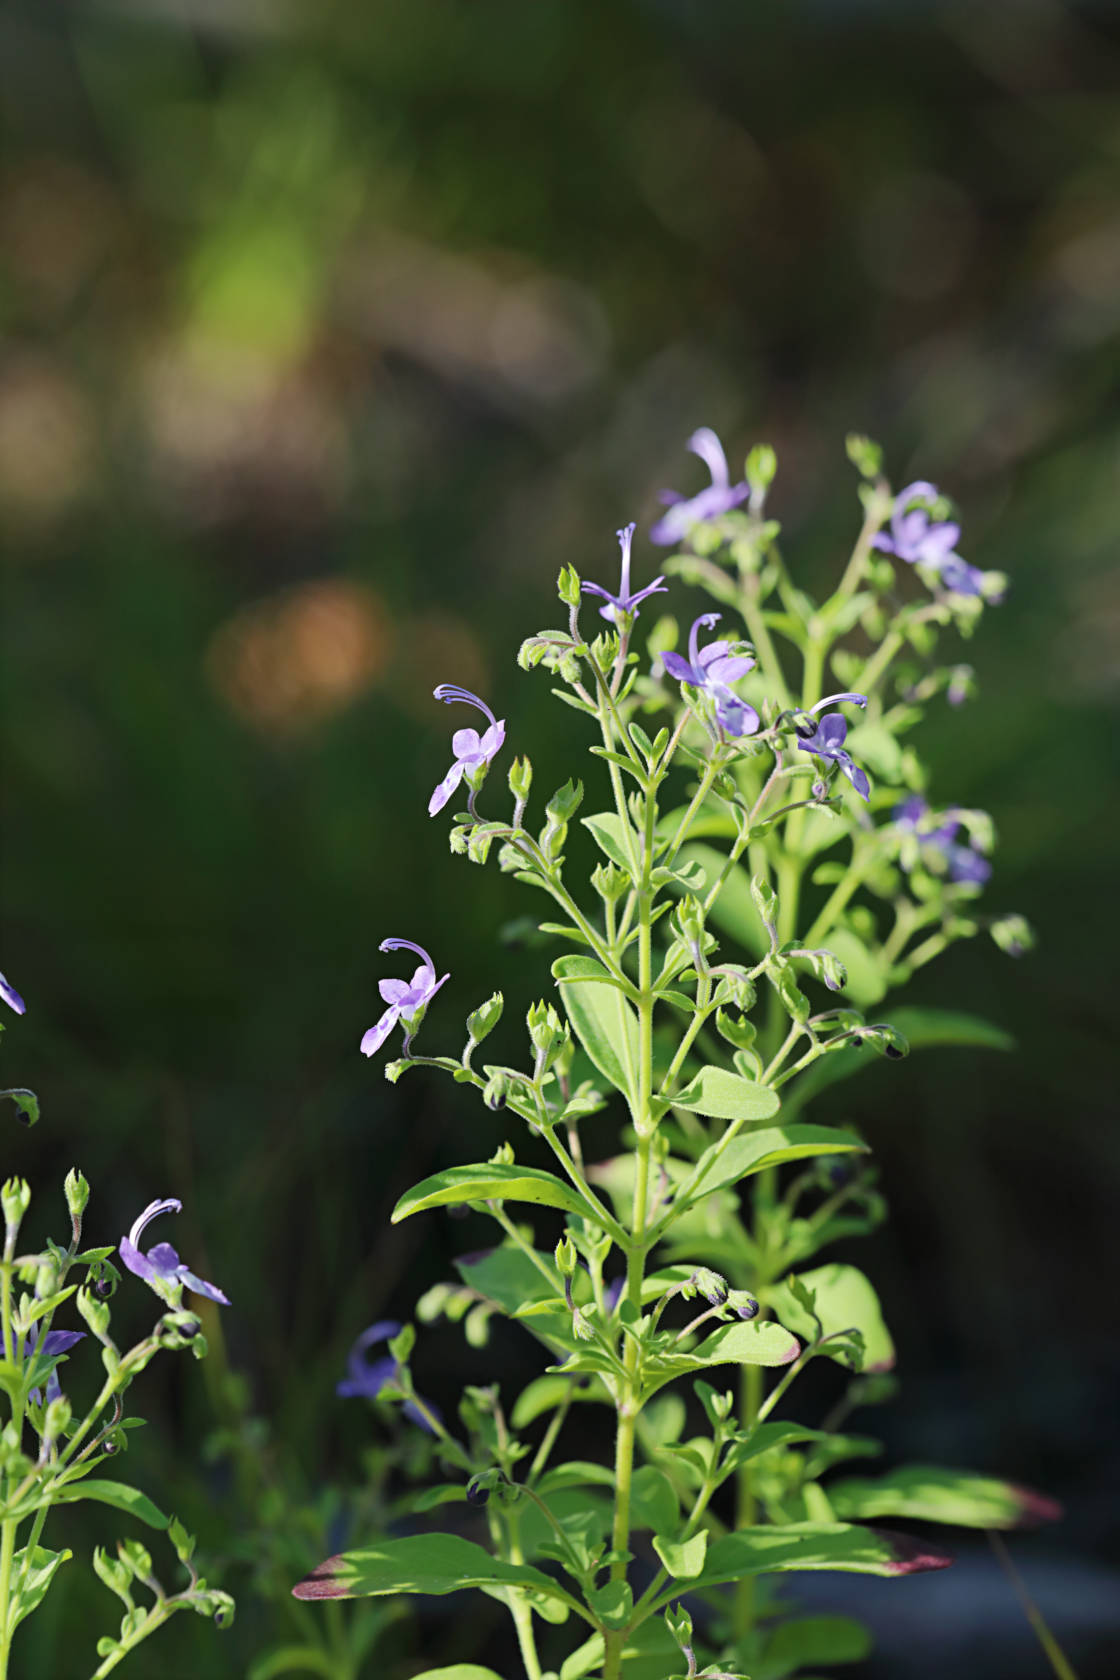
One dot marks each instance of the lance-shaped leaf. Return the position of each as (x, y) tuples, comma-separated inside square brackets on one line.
[(773, 1146), (816, 1546), (434, 1564), (925, 1493), (727, 1096), (845, 1300), (34, 1574), (609, 835), (604, 1022), (489, 1182), (118, 1494)]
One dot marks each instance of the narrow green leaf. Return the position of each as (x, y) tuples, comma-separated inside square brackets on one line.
[(816, 1546), (489, 1182), (434, 1564), (118, 1494), (753, 1152), (758, 1342), (604, 1023), (727, 1096), (925, 1493), (40, 1573)]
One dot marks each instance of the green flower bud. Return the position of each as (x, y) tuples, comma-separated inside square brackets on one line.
[(568, 586), (765, 902), (56, 1420), (566, 801), (740, 1033), (1013, 934), (520, 779), (77, 1194), (566, 1257), (762, 464), (15, 1197), (679, 1623), (865, 456), (483, 1020), (610, 882), (114, 1573), (95, 1312)]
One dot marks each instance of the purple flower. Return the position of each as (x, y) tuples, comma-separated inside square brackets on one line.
[(720, 496), (365, 1378), (963, 864), (713, 668), (828, 742), (50, 1345), (473, 753), (161, 1266), (918, 538), (407, 999), (11, 996), (624, 604)]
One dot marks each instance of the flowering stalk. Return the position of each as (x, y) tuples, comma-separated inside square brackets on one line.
[(744, 807)]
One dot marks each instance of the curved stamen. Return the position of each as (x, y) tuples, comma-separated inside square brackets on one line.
[(171, 1204), (450, 692), (407, 945), (709, 621), (831, 699), (625, 538)]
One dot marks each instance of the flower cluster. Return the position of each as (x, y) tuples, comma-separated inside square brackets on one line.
[(921, 540), (937, 842)]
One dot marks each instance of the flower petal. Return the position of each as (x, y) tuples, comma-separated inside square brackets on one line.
[(372, 1040), (136, 1262), (393, 991), (493, 740), (856, 776), (706, 444), (678, 667), (446, 788), (11, 996), (465, 743), (199, 1286)]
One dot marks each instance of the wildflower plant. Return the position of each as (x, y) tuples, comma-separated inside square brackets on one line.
[(54, 1449), (770, 865)]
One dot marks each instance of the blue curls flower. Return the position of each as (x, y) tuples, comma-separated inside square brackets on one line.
[(473, 752), (827, 740), (50, 1346), (625, 604), (407, 999), (11, 996), (719, 497), (921, 540), (713, 669), (366, 1378), (963, 864), (161, 1267)]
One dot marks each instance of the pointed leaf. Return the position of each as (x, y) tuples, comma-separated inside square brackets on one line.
[(925, 1493), (118, 1494), (727, 1096), (607, 831), (845, 1300), (683, 1559), (434, 1564), (604, 1023), (41, 1572), (816, 1546), (753, 1152), (488, 1182), (759, 1342)]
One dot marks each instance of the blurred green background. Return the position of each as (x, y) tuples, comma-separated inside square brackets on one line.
[(330, 332)]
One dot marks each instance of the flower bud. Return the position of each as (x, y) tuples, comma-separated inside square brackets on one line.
[(742, 1305), (77, 1194), (496, 1090), (56, 1419), (739, 1033), (566, 1257), (568, 586), (865, 456), (520, 779), (762, 464), (765, 901), (482, 1021), (710, 1285), (610, 882), (679, 1623), (15, 1197), (1013, 934), (95, 1312), (545, 1030)]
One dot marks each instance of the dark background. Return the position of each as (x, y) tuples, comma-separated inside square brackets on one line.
[(332, 331)]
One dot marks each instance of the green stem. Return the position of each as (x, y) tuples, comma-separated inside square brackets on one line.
[(1057, 1658), (858, 867)]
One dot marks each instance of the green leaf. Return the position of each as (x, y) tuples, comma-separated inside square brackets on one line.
[(459, 1671), (845, 1300), (734, 909), (545, 1394), (758, 1342), (604, 1023), (40, 1573), (609, 835), (489, 1182), (727, 1096), (294, 1659), (812, 1639), (753, 1152), (925, 1493), (815, 1546), (763, 1438), (682, 1558), (434, 1564), (118, 1494), (653, 1504)]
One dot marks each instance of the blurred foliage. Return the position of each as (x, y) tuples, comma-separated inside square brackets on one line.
[(331, 332)]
